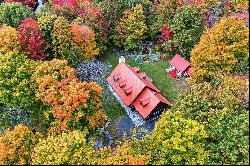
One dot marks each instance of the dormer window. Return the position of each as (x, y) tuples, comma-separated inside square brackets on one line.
[(144, 101), (117, 77), (128, 90), (122, 83)]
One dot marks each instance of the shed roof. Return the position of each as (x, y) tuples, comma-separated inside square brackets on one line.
[(180, 63)]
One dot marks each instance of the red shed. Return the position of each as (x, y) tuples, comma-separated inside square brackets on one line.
[(179, 67), (136, 90)]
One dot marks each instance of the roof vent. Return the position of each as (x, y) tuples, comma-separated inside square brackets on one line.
[(136, 69), (116, 77), (122, 83), (128, 90), (143, 75), (144, 101)]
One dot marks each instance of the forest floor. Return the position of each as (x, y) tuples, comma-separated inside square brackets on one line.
[(170, 88)]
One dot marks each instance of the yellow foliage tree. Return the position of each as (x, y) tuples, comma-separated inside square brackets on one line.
[(67, 148), (221, 50), (131, 28), (9, 40), (16, 145), (175, 140)]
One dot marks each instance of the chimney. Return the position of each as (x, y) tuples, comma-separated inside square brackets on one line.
[(122, 59)]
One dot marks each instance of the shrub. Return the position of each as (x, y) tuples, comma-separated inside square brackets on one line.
[(220, 50), (32, 40), (186, 27), (75, 105), (175, 140), (165, 34), (13, 13), (16, 90), (16, 145), (9, 40), (67, 148), (28, 3), (131, 29)]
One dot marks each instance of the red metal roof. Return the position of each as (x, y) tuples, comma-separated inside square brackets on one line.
[(134, 88), (132, 81), (163, 99), (189, 71), (180, 63), (147, 101), (145, 110)]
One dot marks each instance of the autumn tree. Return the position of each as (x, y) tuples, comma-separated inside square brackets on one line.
[(130, 30), (46, 24), (9, 40), (89, 14), (122, 154), (16, 90), (174, 140), (228, 133), (63, 45), (16, 145), (85, 40), (32, 40), (75, 105), (28, 3), (186, 28), (13, 13), (161, 13), (69, 148), (61, 37), (221, 50), (222, 107), (65, 8)]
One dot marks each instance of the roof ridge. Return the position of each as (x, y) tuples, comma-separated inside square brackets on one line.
[(130, 68)]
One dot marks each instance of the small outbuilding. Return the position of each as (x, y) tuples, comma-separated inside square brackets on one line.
[(136, 91), (179, 67)]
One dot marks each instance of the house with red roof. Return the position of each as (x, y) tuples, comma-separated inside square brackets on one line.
[(136, 91), (179, 67)]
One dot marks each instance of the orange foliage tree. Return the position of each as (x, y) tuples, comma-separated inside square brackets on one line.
[(16, 145), (75, 104), (85, 39)]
